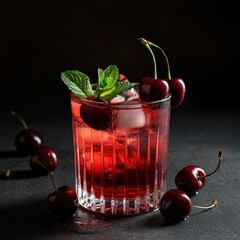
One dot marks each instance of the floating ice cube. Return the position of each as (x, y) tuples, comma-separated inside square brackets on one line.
[(131, 118), (130, 94), (118, 99)]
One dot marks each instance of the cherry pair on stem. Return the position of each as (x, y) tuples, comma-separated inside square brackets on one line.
[(154, 88), (176, 204), (30, 142), (63, 201)]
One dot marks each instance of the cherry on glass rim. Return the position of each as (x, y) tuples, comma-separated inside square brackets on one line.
[(176, 85), (178, 90), (152, 88)]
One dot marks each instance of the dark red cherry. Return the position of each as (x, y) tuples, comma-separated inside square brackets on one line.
[(190, 179), (177, 89), (27, 141), (63, 202), (176, 85), (96, 117), (44, 160), (175, 205), (151, 89)]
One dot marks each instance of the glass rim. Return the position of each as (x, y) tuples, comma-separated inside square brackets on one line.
[(120, 105)]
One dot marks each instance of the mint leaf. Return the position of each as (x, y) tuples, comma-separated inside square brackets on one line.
[(78, 83), (111, 74), (100, 77), (107, 87), (119, 88), (107, 78)]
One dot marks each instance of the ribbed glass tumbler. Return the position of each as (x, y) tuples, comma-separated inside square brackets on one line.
[(121, 153)]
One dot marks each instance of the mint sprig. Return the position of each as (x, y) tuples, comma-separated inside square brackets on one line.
[(78, 83), (107, 87)]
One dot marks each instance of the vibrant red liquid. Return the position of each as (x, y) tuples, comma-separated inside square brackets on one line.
[(122, 170)]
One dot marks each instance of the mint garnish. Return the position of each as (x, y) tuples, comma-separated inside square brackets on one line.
[(107, 88), (77, 82)]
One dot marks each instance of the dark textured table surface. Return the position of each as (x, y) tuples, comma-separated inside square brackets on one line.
[(195, 138)]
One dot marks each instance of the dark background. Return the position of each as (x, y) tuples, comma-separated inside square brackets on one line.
[(39, 39)]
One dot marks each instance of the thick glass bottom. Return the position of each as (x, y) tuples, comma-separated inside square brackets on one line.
[(121, 206)]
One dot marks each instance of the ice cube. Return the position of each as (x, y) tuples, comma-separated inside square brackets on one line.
[(131, 118), (118, 99), (130, 94)]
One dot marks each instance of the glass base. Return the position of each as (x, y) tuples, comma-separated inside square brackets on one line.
[(120, 207)]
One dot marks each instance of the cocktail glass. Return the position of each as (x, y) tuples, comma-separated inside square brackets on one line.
[(121, 170)]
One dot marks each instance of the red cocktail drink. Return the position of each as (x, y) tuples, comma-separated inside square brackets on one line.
[(121, 168)]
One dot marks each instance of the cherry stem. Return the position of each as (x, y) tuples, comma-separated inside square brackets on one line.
[(54, 185), (49, 173), (23, 122), (8, 171), (148, 44), (220, 154), (214, 204), (145, 42)]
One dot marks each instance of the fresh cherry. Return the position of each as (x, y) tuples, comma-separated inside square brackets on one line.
[(177, 90), (175, 205), (63, 202), (44, 156), (27, 141), (151, 89), (43, 161), (98, 118), (176, 85), (192, 178)]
